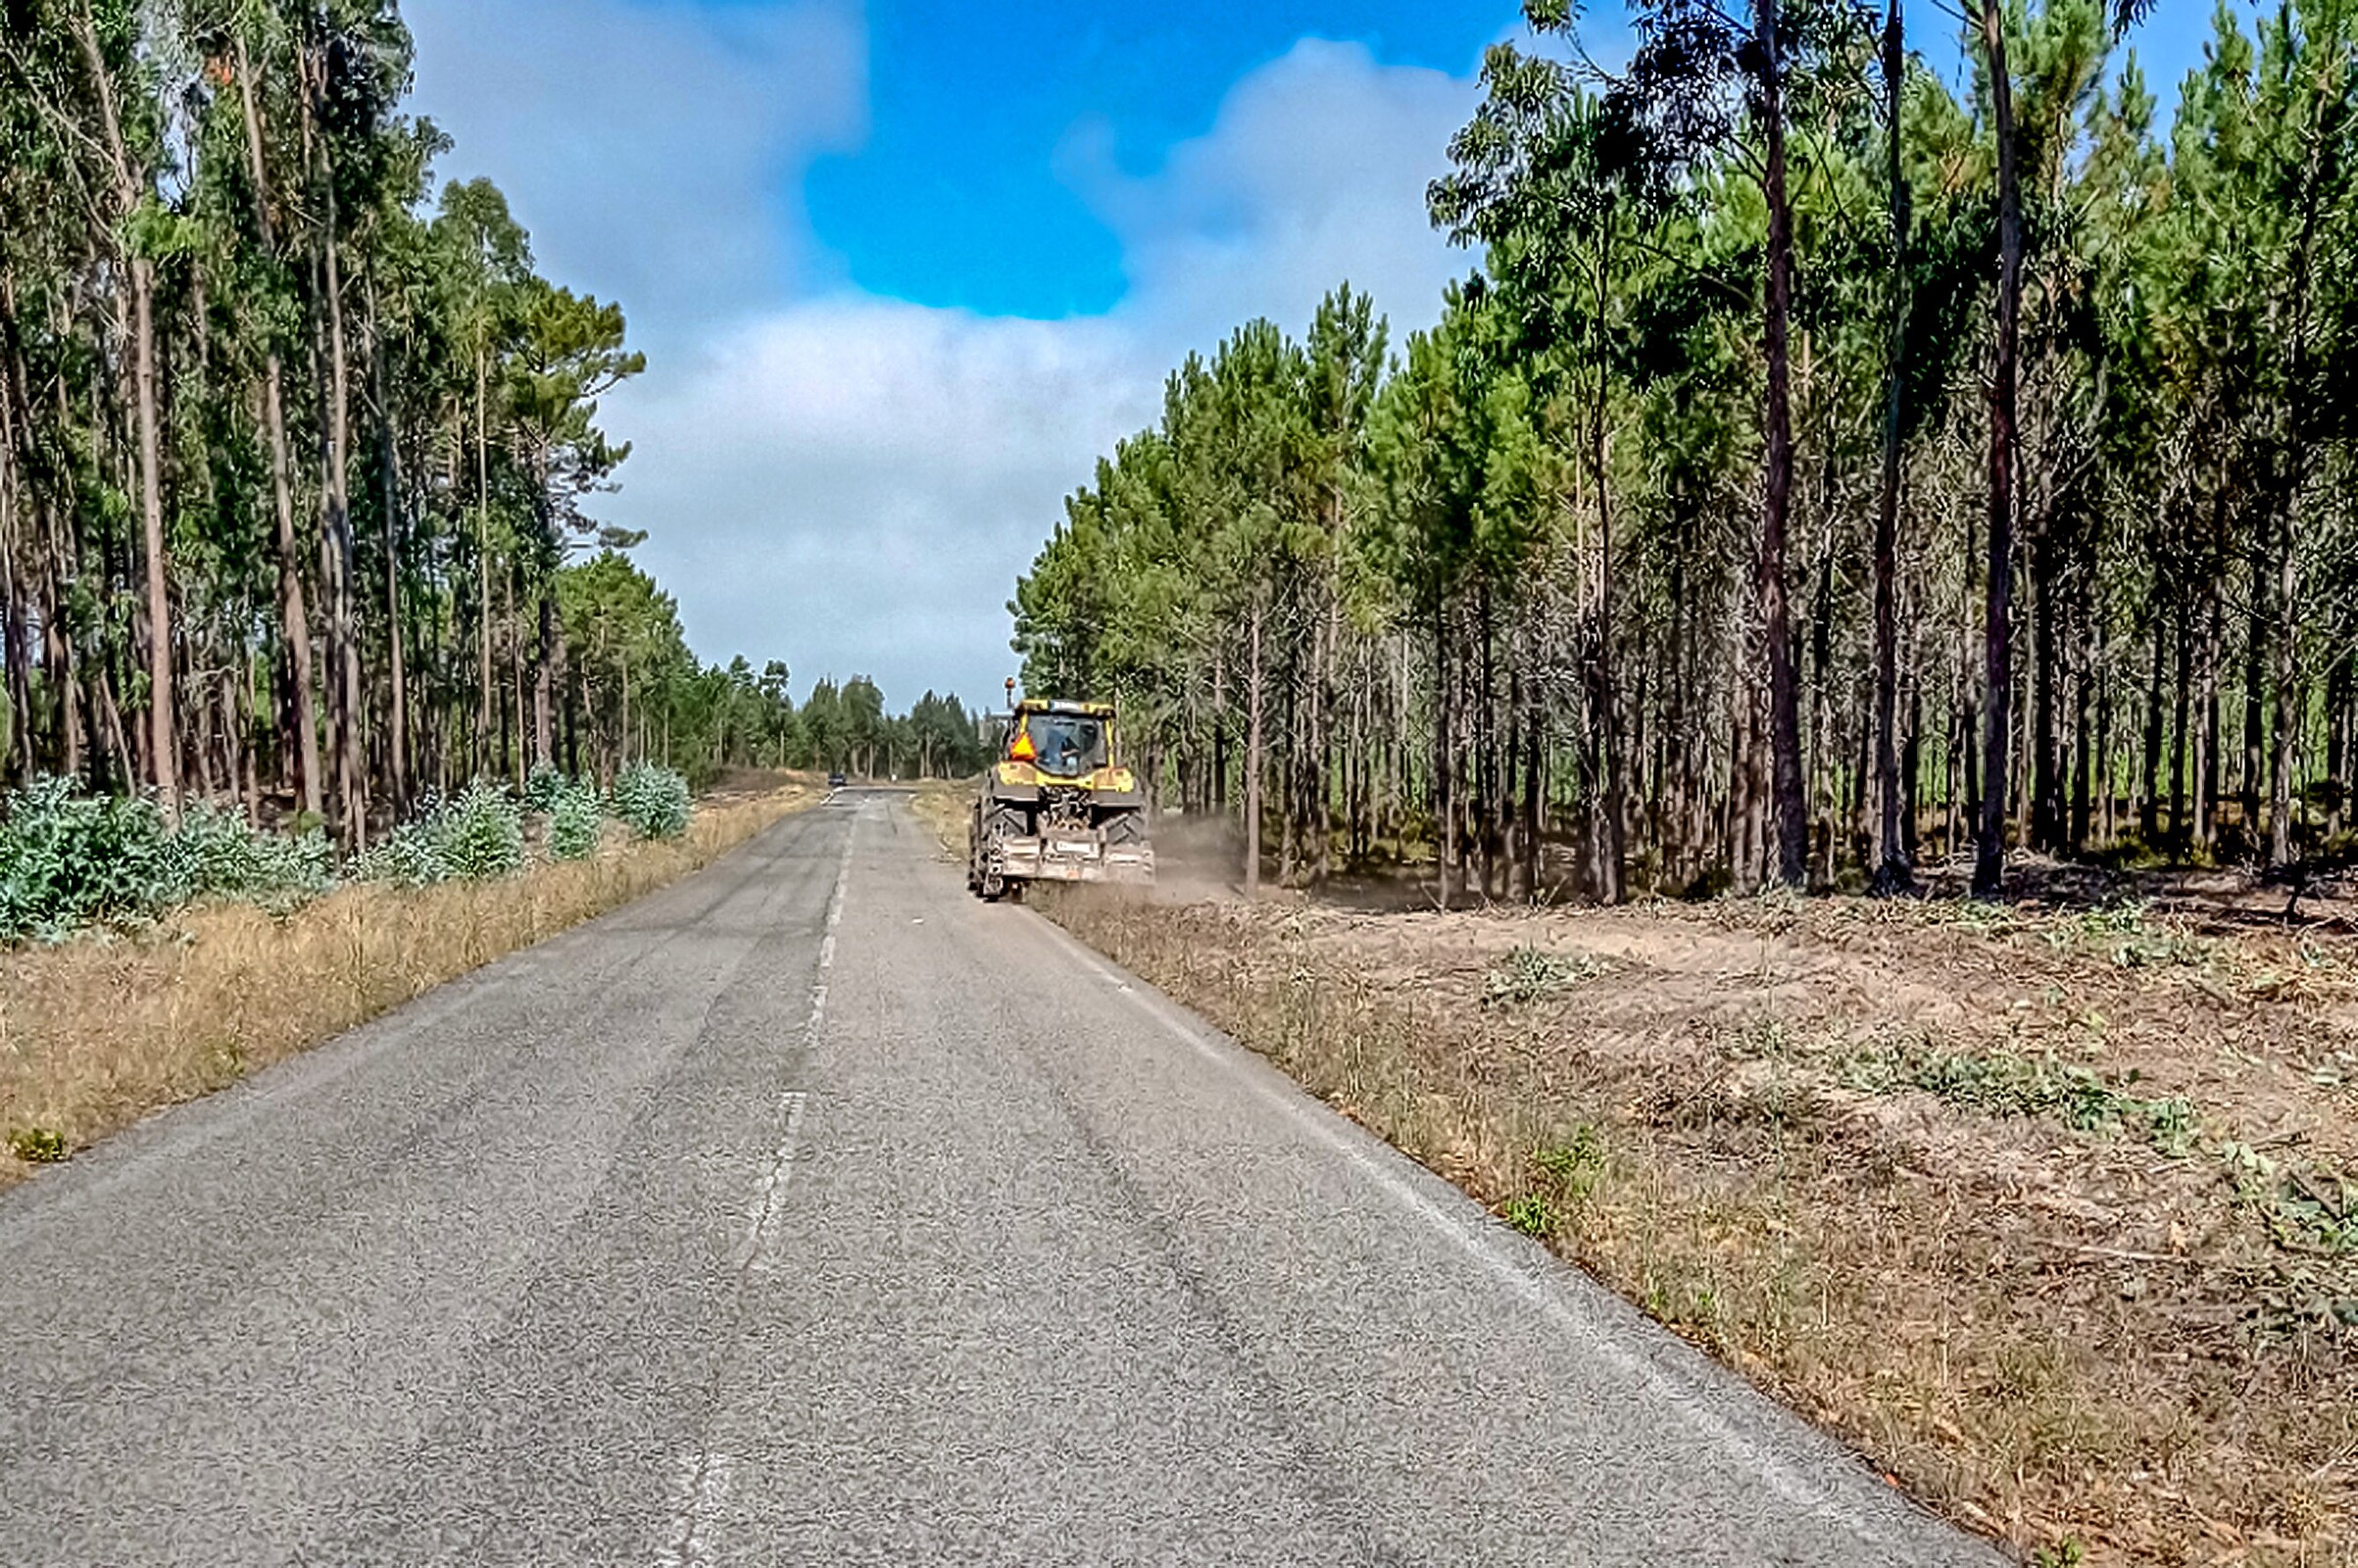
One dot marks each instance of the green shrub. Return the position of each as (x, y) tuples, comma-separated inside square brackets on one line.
[(575, 817), (543, 786), (67, 859), (481, 833), (1527, 974), (475, 836), (214, 854), (406, 857), (652, 800), (38, 1146)]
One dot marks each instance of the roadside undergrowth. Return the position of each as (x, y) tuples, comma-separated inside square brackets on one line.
[(100, 1031), (2074, 1260), (944, 806)]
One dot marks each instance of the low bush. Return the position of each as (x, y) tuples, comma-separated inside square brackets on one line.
[(216, 853), (1528, 975), (576, 814), (69, 860), (475, 835), (543, 786), (652, 800)]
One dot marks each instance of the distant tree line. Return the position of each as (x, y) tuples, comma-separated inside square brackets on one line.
[(644, 695), (1823, 473)]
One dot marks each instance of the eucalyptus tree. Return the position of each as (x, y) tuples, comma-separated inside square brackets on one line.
[(569, 354), (235, 356)]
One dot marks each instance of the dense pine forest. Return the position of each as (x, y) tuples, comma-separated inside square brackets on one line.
[(299, 454), (1823, 477)]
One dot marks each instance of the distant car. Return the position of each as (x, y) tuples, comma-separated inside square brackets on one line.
[(835, 781)]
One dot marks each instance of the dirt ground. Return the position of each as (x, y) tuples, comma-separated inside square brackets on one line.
[(2051, 1208)]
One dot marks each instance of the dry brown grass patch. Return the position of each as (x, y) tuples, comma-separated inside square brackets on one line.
[(99, 1032), (944, 806)]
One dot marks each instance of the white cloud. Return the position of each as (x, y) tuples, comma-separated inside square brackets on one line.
[(641, 142), (849, 484), (1314, 173)]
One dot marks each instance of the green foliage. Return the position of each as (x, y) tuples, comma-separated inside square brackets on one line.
[(1532, 1215), (652, 800), (215, 855), (1566, 1175), (38, 1146), (2317, 1210), (543, 787), (475, 835), (576, 815), (2126, 935), (2003, 1084), (69, 860), (1530, 974), (1574, 1167)]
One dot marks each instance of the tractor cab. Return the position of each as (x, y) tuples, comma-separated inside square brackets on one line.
[(1061, 740)]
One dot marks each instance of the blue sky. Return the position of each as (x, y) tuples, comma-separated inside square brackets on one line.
[(903, 269), (984, 117)]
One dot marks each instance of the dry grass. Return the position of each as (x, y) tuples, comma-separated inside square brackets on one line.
[(100, 1032), (1802, 1136), (945, 808)]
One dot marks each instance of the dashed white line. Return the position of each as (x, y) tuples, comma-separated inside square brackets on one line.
[(704, 1475), (703, 1480)]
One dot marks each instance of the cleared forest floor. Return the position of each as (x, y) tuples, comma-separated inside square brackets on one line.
[(2051, 1210)]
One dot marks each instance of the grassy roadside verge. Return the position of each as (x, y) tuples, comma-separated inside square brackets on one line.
[(2051, 1219), (97, 1033), (944, 806)]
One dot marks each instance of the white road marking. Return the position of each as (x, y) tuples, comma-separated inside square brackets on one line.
[(704, 1474), (767, 1202), (703, 1480), (1480, 1243)]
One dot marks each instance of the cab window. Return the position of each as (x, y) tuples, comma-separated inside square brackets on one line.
[(1067, 743)]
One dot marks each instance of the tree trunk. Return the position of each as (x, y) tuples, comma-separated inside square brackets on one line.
[(483, 686), (2291, 702), (389, 472), (301, 723), (1444, 801), (351, 763), (2180, 730), (163, 738), (1989, 846), (544, 674), (1894, 871), (2148, 817), (1253, 756), (1788, 790)]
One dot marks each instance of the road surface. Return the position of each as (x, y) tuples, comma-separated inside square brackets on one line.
[(810, 1212)]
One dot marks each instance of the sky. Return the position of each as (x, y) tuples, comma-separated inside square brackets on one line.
[(903, 271)]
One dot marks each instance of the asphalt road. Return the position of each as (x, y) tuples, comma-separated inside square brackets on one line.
[(810, 1212)]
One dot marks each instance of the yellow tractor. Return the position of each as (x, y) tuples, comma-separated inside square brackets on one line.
[(1053, 808)]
